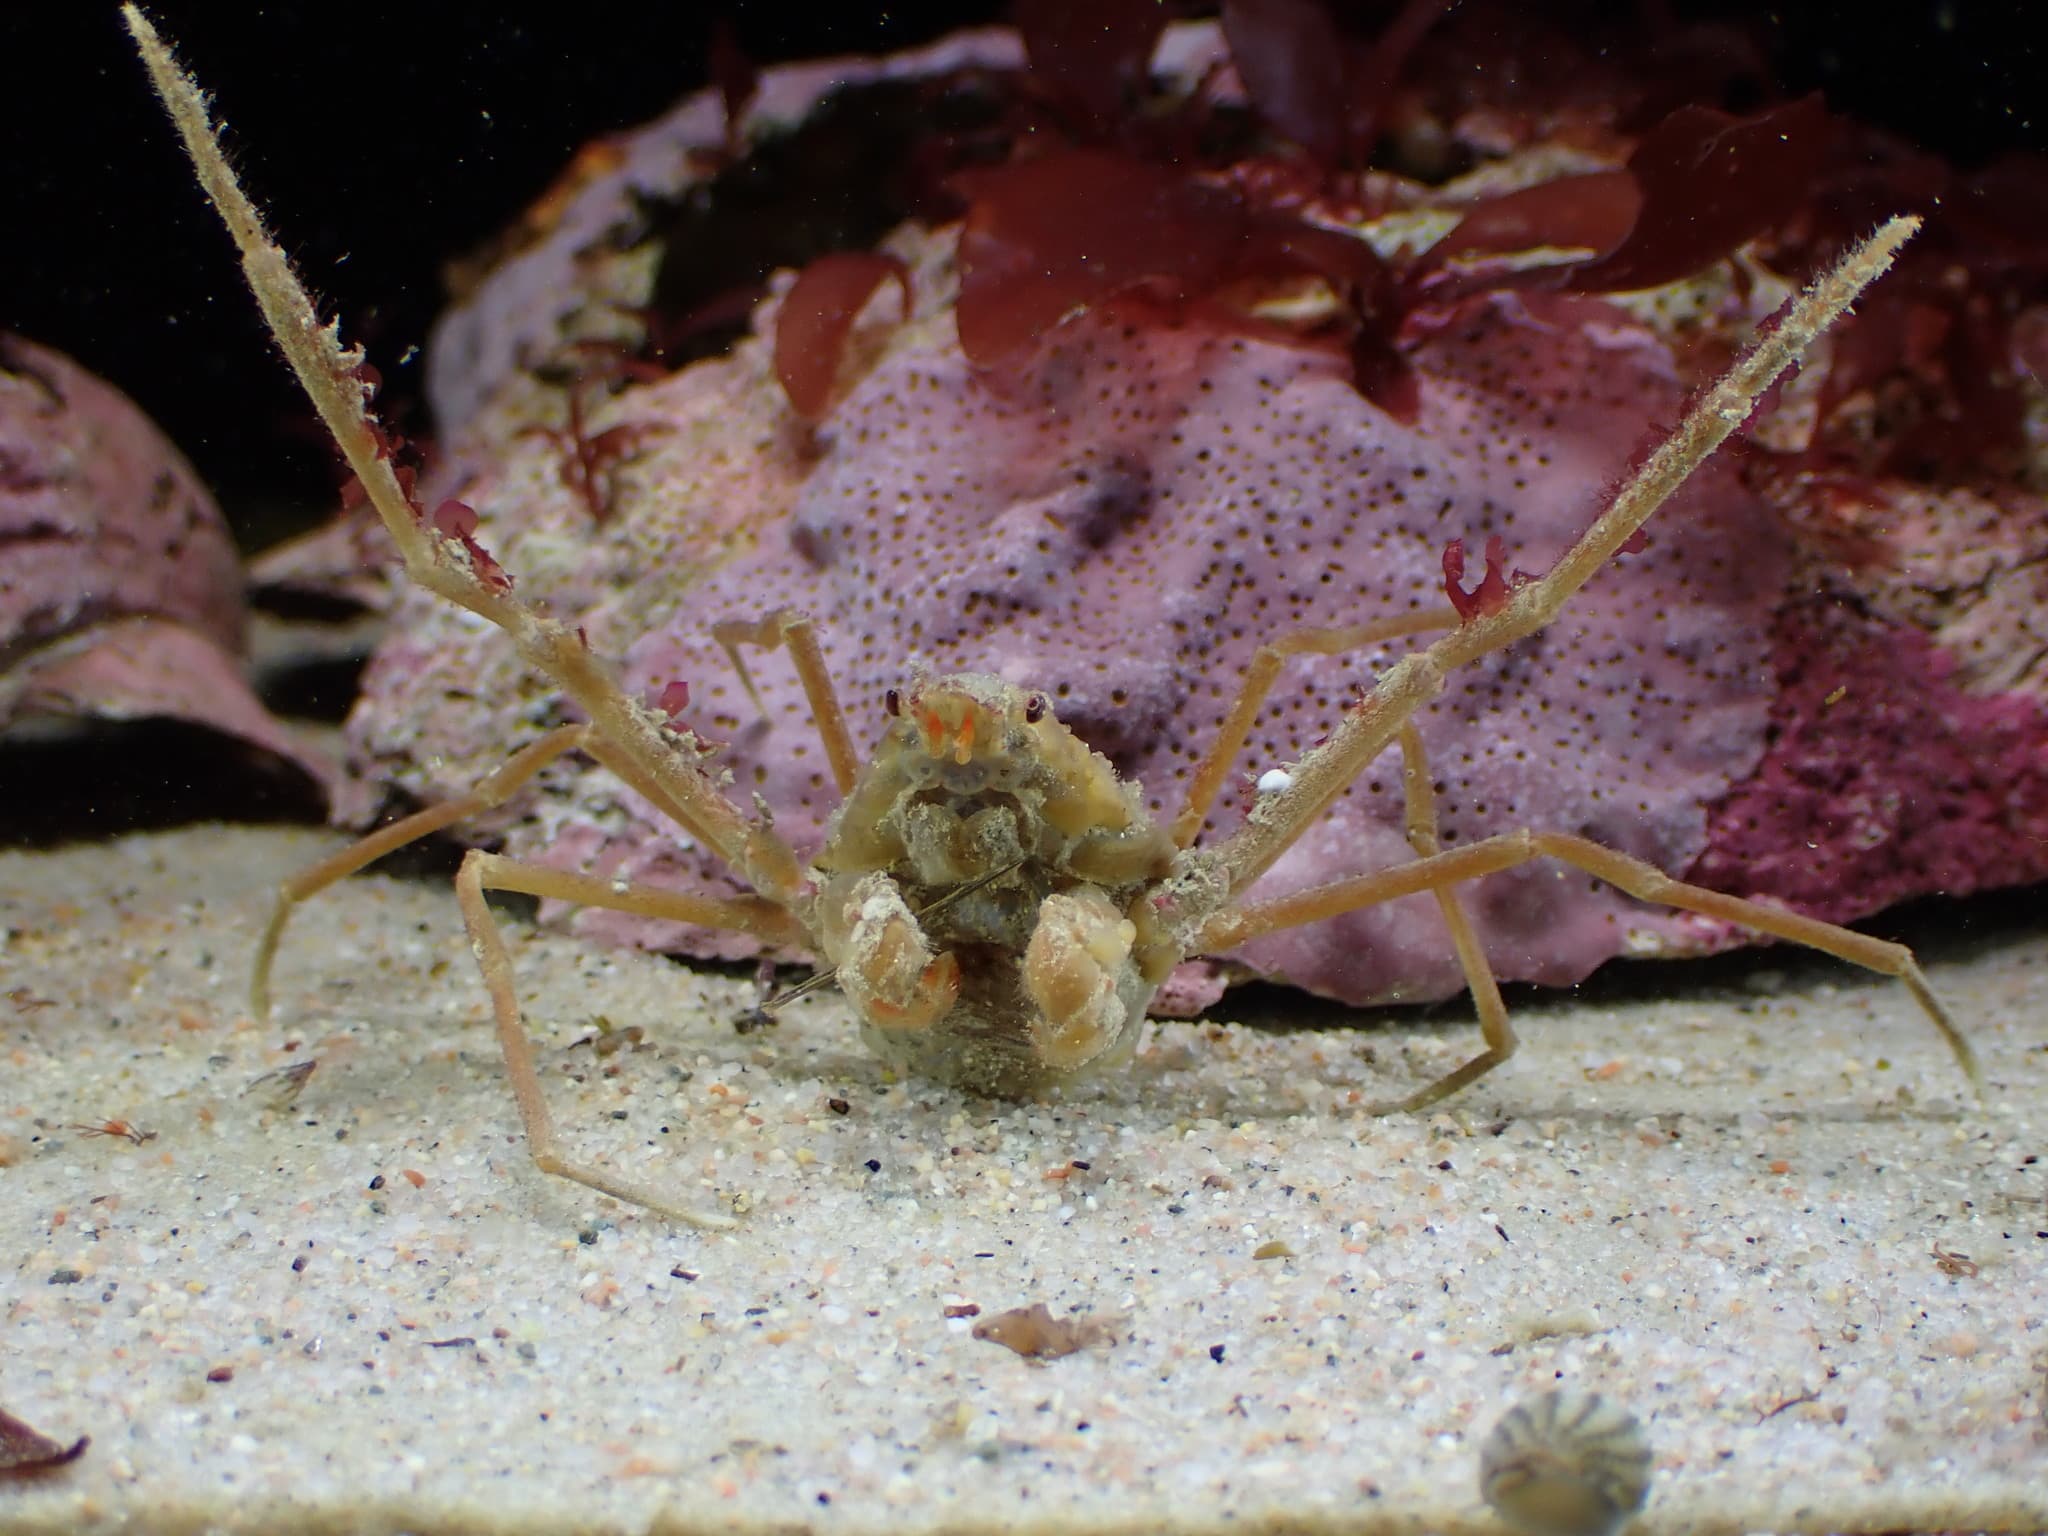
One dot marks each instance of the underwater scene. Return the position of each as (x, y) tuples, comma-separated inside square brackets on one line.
[(1057, 765)]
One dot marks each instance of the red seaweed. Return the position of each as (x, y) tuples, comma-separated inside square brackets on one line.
[(1048, 237), (1323, 88), (1594, 211), (1710, 184), (1699, 186), (456, 521), (818, 315), (1040, 244), (1291, 58), (589, 459), (1036, 246), (736, 78), (1494, 588), (1091, 57)]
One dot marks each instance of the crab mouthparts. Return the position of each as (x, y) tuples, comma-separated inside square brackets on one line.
[(956, 743)]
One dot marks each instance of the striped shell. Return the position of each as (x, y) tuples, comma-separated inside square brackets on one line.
[(1566, 1464)]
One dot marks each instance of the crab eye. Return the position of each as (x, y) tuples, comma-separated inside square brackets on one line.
[(893, 702), (1034, 709)]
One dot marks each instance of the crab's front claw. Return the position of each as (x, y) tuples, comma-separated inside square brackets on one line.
[(1074, 969), (890, 971), (927, 1000)]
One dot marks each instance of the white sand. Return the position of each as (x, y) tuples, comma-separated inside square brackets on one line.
[(1742, 1199)]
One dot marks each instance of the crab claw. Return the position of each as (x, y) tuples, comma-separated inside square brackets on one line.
[(890, 970), (1077, 956)]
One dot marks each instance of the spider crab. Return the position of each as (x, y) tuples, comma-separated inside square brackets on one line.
[(997, 904)]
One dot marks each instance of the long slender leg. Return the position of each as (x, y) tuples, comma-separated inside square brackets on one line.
[(1258, 682), (492, 790), (483, 872), (451, 564), (1644, 881), (1419, 797), (795, 631), (1278, 820)]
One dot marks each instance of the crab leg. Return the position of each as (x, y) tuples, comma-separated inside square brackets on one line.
[(796, 631), (1278, 820), (483, 872), (493, 790), (1642, 880), (331, 378), (1419, 797), (1259, 678)]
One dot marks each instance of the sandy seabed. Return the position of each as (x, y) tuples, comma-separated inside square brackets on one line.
[(1774, 1225)]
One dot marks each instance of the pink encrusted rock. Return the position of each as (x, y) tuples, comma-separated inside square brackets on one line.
[(1123, 519), (120, 590), (1909, 746)]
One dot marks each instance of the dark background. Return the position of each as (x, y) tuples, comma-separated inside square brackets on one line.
[(384, 138)]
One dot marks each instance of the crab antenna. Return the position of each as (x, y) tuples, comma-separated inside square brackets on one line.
[(1276, 821), (330, 374)]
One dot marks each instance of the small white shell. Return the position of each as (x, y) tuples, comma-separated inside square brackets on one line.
[(1566, 1464), (1274, 780)]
